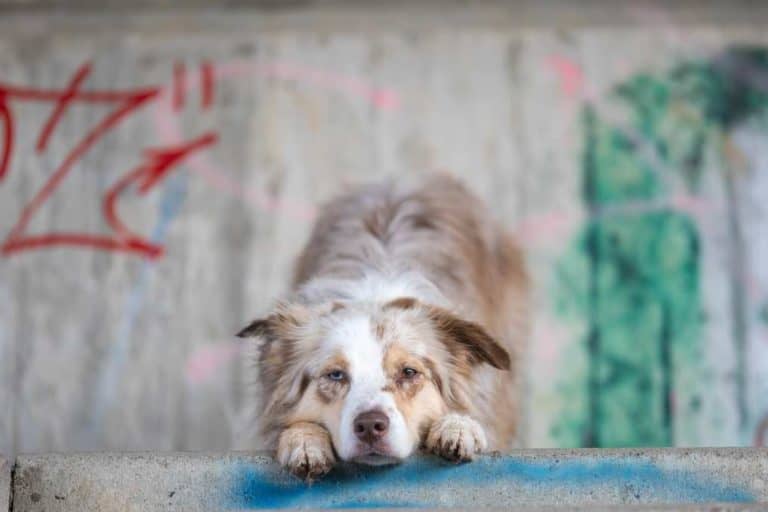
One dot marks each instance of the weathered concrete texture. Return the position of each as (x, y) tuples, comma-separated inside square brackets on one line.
[(542, 478), (5, 485)]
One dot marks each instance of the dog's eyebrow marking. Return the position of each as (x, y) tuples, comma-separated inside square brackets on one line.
[(401, 303), (422, 221)]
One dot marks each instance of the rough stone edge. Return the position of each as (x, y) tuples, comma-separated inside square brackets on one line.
[(6, 484)]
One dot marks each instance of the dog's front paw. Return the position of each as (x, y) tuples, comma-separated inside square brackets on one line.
[(305, 450), (456, 437)]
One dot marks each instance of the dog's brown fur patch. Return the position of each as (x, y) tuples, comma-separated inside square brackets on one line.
[(329, 390), (401, 303)]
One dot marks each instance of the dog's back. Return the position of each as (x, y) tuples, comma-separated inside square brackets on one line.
[(438, 232)]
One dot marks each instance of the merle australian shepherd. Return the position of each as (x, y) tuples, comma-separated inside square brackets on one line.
[(405, 330)]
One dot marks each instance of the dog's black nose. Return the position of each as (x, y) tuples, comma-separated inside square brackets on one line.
[(371, 426)]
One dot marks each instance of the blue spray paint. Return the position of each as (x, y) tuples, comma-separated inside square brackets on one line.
[(171, 202), (429, 483)]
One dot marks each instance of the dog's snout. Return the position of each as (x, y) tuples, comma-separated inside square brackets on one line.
[(371, 426)]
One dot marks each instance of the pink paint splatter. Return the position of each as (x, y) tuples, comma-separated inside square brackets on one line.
[(205, 361), (570, 74), (550, 338), (538, 230), (760, 432)]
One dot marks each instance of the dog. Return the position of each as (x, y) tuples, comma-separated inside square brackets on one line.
[(405, 330)]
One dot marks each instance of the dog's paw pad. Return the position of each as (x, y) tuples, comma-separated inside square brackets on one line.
[(457, 438)]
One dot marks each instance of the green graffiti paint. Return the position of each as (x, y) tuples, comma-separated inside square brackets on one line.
[(631, 276), (763, 314)]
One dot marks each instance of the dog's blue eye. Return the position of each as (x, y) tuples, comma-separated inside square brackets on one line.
[(409, 373), (336, 375)]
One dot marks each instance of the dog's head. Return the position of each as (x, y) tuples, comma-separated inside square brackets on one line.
[(375, 376)]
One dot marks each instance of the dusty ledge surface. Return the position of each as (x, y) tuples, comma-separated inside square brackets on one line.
[(695, 479)]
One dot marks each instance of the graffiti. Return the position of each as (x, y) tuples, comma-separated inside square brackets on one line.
[(641, 284), (207, 81), (180, 87), (570, 74), (159, 162), (425, 482), (632, 276)]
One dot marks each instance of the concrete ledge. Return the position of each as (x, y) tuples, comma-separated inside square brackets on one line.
[(5, 485), (538, 478)]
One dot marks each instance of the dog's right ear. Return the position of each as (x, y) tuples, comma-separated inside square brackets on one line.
[(277, 339), (282, 323), (256, 328)]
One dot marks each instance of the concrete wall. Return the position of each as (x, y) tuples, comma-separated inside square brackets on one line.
[(161, 169)]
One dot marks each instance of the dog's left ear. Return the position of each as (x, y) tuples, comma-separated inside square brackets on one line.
[(469, 340), (465, 340)]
